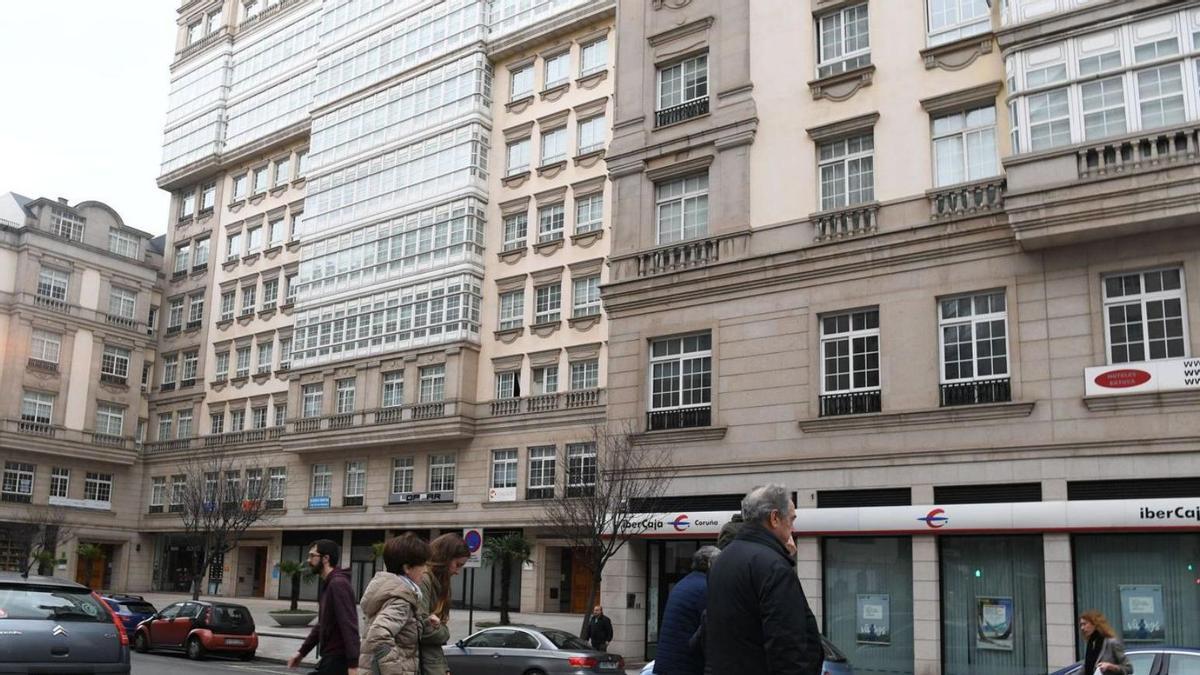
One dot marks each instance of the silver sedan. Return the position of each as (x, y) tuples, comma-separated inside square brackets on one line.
[(528, 650)]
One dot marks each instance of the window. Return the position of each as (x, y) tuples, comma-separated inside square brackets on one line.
[(508, 384), (589, 213), (951, 20), (322, 481), (122, 302), (512, 309), (248, 299), (964, 146), (170, 371), (114, 363), (97, 486), (558, 69), (554, 146), (311, 397), (37, 407), (158, 493), (124, 244), (18, 482), (592, 134), (683, 82), (195, 310), (402, 475), (682, 208), (280, 413), (680, 382), (847, 168), (585, 374), (52, 284), (581, 468), (1144, 316), (433, 383), (276, 486), (547, 307), (586, 296), (243, 362), (227, 303), (974, 346), (593, 57), (550, 223), (195, 32), (356, 481), (345, 396), (542, 461), (239, 186), (393, 389), (258, 417), (283, 170), (187, 204), (441, 473), (183, 423), (178, 488), (1103, 108), (60, 482), (290, 289), (233, 246), (515, 227), (1049, 120), (151, 320), (850, 363), (1160, 95), (504, 468), (301, 163), (216, 423), (264, 357), (200, 259), (270, 293), (183, 258), (175, 315), (275, 232), (237, 419), (285, 353), (522, 83), (214, 20), (518, 157), (66, 224), (545, 380), (45, 346), (261, 180), (254, 484), (208, 197), (254, 239), (164, 426), (843, 41)]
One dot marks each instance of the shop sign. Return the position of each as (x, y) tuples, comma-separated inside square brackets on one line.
[(94, 504), (318, 502), (1142, 377), (507, 494), (676, 524)]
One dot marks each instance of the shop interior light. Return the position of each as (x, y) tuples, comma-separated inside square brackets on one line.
[(978, 573)]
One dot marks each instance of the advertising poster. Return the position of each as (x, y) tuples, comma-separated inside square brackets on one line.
[(1142, 618), (994, 618), (874, 620)]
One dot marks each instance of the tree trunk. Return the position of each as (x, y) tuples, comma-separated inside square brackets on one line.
[(198, 574), (295, 591), (505, 571), (593, 600)]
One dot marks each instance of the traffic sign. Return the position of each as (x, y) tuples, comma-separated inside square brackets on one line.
[(473, 536)]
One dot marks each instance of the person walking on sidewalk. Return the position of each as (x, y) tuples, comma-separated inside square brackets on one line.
[(683, 617), (337, 616), (599, 629), (391, 607), (449, 554)]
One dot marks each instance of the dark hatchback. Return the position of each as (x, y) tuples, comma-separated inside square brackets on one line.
[(50, 625), (130, 609), (198, 628)]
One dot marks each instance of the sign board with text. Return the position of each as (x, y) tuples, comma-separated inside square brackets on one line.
[(473, 536), (1142, 377)]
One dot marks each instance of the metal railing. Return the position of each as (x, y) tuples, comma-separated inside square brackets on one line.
[(852, 403), (679, 418), (681, 112), (966, 199), (975, 392)]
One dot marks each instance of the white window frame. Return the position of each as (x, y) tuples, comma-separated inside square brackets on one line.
[(683, 193), (685, 351), (122, 302), (19, 478), (442, 473), (960, 131), (355, 484), (585, 374), (850, 333), (1143, 299), (505, 463), (170, 371), (98, 486), (560, 64), (183, 424), (276, 483), (38, 407), (312, 397), (543, 465), (432, 384), (516, 231), (547, 303), (53, 283), (517, 86), (265, 357), (589, 212), (854, 158), (346, 389), (543, 380), (682, 82), (512, 309), (517, 156), (591, 134), (66, 224), (593, 56), (553, 146), (114, 361), (321, 481), (158, 492), (585, 296), (403, 473), (508, 384), (392, 395), (581, 465), (221, 365), (60, 482), (45, 346), (124, 244), (833, 30), (110, 419), (175, 314), (552, 220), (195, 309), (960, 19), (242, 361), (973, 321), (228, 305)]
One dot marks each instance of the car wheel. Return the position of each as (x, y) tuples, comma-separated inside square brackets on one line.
[(534, 672), (140, 643), (248, 656), (195, 650)]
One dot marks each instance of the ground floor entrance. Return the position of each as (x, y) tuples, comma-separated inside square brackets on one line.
[(94, 564)]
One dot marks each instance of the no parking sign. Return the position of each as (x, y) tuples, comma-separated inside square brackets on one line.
[(474, 539)]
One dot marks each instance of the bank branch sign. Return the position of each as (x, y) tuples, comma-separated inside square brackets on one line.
[(1143, 377)]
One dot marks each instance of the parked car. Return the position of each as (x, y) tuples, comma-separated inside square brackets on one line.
[(836, 662), (198, 628), (1156, 660), (528, 650), (53, 625), (130, 609)]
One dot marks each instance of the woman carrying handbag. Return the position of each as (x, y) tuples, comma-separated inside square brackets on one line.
[(1103, 653)]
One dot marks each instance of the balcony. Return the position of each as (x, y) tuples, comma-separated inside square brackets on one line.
[(681, 256), (966, 200), (52, 304), (1127, 185), (121, 321), (39, 364), (679, 418), (112, 378), (225, 440), (679, 113), (545, 403), (853, 221), (976, 392), (380, 426), (851, 403), (46, 436)]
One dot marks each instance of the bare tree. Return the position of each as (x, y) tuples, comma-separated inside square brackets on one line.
[(596, 516), (37, 533), (223, 496)]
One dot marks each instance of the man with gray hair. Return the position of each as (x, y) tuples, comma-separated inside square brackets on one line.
[(765, 624), (682, 616)]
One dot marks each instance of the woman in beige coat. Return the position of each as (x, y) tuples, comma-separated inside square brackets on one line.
[(391, 610), (449, 554)]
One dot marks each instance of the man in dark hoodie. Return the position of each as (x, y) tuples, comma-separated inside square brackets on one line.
[(337, 615)]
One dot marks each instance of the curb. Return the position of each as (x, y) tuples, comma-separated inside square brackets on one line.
[(279, 635)]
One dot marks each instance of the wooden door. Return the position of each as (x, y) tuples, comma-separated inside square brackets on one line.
[(96, 580), (581, 582)]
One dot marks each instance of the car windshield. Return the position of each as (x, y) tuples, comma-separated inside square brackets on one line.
[(564, 640), (48, 602), (138, 607)]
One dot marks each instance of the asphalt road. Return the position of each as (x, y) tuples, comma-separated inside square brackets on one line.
[(171, 664)]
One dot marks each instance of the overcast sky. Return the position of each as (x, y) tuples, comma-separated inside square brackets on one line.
[(85, 88)]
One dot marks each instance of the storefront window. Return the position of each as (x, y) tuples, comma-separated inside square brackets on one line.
[(868, 601), (668, 562), (1145, 584), (993, 605)]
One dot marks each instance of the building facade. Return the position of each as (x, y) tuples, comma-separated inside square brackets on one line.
[(934, 272), (77, 289)]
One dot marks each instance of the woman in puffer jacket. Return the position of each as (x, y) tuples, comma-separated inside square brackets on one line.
[(390, 605)]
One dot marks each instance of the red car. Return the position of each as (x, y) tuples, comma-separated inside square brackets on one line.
[(198, 628)]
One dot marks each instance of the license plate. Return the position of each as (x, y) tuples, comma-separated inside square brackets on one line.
[(234, 641), (608, 665)]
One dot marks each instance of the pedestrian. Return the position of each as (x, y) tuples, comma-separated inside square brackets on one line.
[(1103, 652), (448, 555), (391, 609), (337, 617), (761, 620), (683, 616), (599, 630)]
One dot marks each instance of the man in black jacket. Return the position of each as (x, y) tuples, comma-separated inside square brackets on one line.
[(336, 631), (599, 629), (754, 597)]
